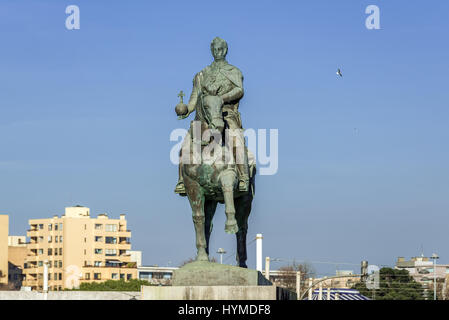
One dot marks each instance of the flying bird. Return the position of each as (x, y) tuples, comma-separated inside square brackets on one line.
[(339, 72)]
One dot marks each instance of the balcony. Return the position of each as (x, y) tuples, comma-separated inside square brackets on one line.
[(125, 246), (31, 258), (32, 282), (34, 245), (125, 233), (32, 233)]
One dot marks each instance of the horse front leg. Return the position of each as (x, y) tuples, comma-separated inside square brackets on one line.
[(196, 199), (228, 180)]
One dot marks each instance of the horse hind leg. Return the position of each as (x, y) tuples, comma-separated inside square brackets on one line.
[(243, 210), (228, 179), (210, 207)]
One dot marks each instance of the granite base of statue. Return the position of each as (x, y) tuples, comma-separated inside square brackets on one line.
[(202, 280)]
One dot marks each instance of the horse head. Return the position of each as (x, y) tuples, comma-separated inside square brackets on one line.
[(213, 114)]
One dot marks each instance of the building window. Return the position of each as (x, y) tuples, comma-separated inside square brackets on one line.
[(111, 240), (41, 239), (55, 276), (129, 276), (49, 239), (97, 263), (98, 226), (87, 276), (49, 276), (98, 239), (122, 276), (40, 263), (60, 263), (50, 227), (49, 263), (50, 252), (111, 252), (145, 275), (41, 226), (56, 239), (97, 276), (111, 227), (125, 240), (60, 276), (60, 251), (40, 251), (56, 227), (114, 276), (60, 239), (98, 251)]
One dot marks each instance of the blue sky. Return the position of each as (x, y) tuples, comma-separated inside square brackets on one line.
[(85, 118)]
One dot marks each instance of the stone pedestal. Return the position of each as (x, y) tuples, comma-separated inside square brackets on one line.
[(202, 280), (216, 293), (203, 273)]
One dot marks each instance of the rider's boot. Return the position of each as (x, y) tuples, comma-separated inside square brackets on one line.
[(180, 187), (243, 177)]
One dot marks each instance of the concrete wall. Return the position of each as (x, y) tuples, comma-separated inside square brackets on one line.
[(70, 295)]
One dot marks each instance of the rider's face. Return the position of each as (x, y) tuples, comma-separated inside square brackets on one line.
[(219, 51)]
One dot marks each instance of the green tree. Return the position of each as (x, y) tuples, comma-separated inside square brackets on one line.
[(394, 284), (114, 285)]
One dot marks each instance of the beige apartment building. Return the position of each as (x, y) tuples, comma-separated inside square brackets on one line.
[(76, 248), (4, 225), (17, 253)]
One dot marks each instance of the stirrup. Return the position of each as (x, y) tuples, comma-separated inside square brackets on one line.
[(243, 185), (180, 189)]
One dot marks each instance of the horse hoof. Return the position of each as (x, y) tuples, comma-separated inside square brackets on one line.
[(231, 228), (202, 257), (243, 265)]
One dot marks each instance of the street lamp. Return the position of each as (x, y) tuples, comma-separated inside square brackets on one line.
[(221, 252), (434, 257)]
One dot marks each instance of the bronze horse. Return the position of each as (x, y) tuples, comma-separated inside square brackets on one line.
[(208, 183)]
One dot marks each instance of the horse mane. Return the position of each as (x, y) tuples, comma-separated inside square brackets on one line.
[(199, 116)]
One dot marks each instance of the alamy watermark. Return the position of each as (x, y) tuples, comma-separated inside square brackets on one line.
[(373, 20), (198, 146), (72, 22)]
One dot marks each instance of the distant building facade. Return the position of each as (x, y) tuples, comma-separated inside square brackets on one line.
[(76, 248), (344, 279), (17, 254), (422, 271), (4, 229), (156, 275), (135, 256)]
